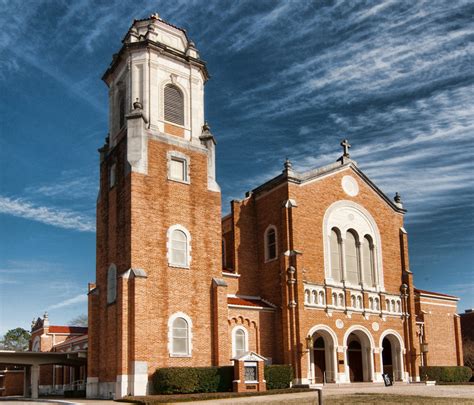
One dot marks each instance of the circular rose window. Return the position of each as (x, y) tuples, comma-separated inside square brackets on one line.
[(350, 186)]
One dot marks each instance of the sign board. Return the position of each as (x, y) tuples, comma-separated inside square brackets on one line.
[(387, 380)]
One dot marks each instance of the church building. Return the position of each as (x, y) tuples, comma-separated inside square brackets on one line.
[(309, 269)]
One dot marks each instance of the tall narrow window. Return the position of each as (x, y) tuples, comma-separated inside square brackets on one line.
[(352, 258), (180, 337), (179, 248), (111, 284), (335, 247), (270, 244), (240, 342), (368, 261), (112, 175), (173, 105), (224, 261), (121, 106)]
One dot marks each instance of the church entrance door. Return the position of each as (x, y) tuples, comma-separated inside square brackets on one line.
[(319, 361), (354, 357), (387, 358)]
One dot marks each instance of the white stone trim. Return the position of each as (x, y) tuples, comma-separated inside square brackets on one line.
[(171, 319), (246, 336), (366, 226), (314, 296), (171, 229)]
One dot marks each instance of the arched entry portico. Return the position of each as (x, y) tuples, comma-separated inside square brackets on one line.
[(359, 361), (322, 357), (391, 355)]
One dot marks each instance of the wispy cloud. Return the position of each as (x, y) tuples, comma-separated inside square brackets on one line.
[(58, 217), (78, 299)]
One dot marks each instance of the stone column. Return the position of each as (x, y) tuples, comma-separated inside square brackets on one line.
[(457, 333), (34, 381)]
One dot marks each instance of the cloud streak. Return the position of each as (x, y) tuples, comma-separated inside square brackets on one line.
[(78, 299), (61, 218)]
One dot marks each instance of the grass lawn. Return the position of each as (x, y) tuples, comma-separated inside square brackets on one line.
[(388, 399), (358, 399)]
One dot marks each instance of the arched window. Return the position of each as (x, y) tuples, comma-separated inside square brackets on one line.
[(314, 296), (335, 246), (307, 296), (387, 304), (371, 303), (399, 307), (239, 341), (368, 261), (178, 240), (321, 298), (341, 300), (173, 105), (352, 258), (270, 243), (334, 299), (359, 302), (376, 304), (180, 335), (353, 301), (111, 284)]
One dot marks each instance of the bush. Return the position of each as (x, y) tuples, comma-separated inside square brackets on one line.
[(446, 373), (188, 380), (278, 376)]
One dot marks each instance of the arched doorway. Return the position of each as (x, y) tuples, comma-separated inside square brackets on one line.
[(319, 357), (392, 356), (354, 359), (387, 364), (322, 356), (359, 357)]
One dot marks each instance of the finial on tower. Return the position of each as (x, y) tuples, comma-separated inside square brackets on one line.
[(345, 147), (288, 165), (398, 200), (137, 105), (155, 16)]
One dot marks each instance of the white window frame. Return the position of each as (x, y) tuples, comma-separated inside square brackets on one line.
[(178, 156), (171, 229), (266, 245), (111, 292), (246, 340), (188, 320)]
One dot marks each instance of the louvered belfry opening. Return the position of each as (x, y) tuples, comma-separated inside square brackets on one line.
[(174, 105)]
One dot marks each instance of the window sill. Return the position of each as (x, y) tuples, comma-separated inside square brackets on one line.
[(178, 266), (179, 181), (271, 260), (181, 355)]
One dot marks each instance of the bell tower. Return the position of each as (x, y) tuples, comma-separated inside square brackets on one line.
[(158, 216)]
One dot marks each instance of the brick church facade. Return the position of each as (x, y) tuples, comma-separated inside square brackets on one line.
[(309, 269)]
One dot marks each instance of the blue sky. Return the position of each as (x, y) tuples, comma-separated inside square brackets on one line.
[(288, 79)]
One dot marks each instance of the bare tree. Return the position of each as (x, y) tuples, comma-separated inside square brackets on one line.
[(80, 320)]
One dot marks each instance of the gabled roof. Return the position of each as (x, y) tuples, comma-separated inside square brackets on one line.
[(291, 176)]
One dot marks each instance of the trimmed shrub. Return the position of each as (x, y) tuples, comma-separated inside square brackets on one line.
[(175, 380), (188, 380), (278, 376), (446, 373)]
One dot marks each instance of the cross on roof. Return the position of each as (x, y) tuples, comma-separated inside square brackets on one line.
[(345, 144)]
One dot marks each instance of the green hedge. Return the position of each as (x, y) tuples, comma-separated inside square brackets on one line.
[(278, 376), (188, 380), (446, 373)]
